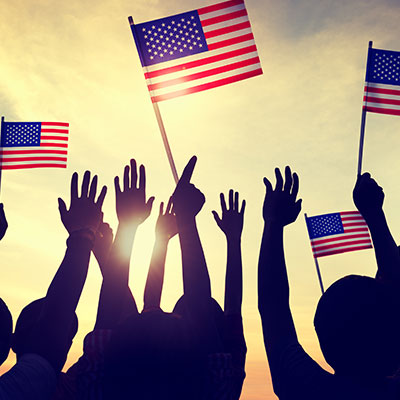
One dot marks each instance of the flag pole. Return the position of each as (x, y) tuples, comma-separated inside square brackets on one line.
[(157, 113), (362, 129), (317, 267)]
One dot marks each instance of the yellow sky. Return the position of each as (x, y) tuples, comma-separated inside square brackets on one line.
[(76, 62)]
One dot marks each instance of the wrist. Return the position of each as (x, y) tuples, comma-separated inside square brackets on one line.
[(87, 235)]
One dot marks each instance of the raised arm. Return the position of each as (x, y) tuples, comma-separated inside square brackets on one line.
[(166, 229), (281, 208), (231, 224), (3, 221), (81, 221), (368, 197), (132, 210)]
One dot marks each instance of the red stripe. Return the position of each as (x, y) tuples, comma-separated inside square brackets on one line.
[(371, 89), (207, 86), (54, 130), (204, 74), (354, 218), (362, 229), (381, 100), (345, 243), (354, 224), (22, 166), (229, 42), (355, 213), (17, 159), (222, 18), (12, 152), (381, 110), (55, 123), (53, 145), (54, 137), (227, 29), (329, 253), (198, 63), (219, 6), (318, 242)]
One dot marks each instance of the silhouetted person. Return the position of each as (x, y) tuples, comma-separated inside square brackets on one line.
[(43, 351), (356, 320)]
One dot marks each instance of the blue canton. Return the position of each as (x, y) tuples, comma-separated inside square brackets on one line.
[(324, 225), (383, 67), (170, 38), (20, 134)]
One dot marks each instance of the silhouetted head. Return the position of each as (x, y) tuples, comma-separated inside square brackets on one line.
[(6, 326), (358, 327), (25, 334), (150, 357)]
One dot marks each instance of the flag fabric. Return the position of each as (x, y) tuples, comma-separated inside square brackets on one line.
[(338, 233), (34, 145), (382, 82), (197, 50)]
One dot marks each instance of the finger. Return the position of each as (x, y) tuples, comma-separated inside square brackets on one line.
[(188, 171), (149, 203), (126, 178), (169, 206), (161, 209), (142, 180), (74, 186), (217, 218), (133, 173), (236, 202), (93, 188), (223, 203), (279, 179), (85, 184), (231, 199), (295, 187), (268, 185), (243, 207), (101, 197), (116, 185), (288, 180), (62, 207)]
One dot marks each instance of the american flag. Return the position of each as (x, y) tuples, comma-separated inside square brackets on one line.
[(382, 82), (338, 233), (197, 50), (33, 145)]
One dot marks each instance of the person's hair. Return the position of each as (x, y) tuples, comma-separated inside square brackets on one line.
[(358, 327), (25, 328), (6, 326), (150, 357)]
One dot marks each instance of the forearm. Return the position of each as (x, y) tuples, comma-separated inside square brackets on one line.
[(386, 251), (273, 295), (155, 277), (234, 278)]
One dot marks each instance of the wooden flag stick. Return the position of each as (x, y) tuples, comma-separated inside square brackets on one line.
[(317, 267), (157, 113), (362, 130)]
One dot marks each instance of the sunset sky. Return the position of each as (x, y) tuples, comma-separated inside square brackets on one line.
[(76, 62)]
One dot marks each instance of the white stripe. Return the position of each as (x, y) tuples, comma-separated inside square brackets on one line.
[(187, 85), (199, 56), (35, 162), (224, 11), (383, 96), (190, 71), (6, 150), (56, 141), (338, 241), (6, 156), (339, 235), (224, 24), (383, 86), (380, 105), (339, 248), (229, 35)]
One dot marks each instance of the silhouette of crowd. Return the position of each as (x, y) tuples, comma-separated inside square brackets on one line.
[(198, 350)]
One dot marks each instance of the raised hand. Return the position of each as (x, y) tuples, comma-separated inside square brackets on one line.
[(166, 223), (102, 244), (3, 221), (131, 204), (368, 196), (231, 221), (84, 212), (280, 204), (187, 199)]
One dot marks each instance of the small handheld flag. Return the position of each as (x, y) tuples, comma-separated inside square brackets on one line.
[(33, 145)]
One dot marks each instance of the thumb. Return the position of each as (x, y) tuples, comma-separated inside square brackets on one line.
[(149, 203), (62, 207), (217, 218)]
